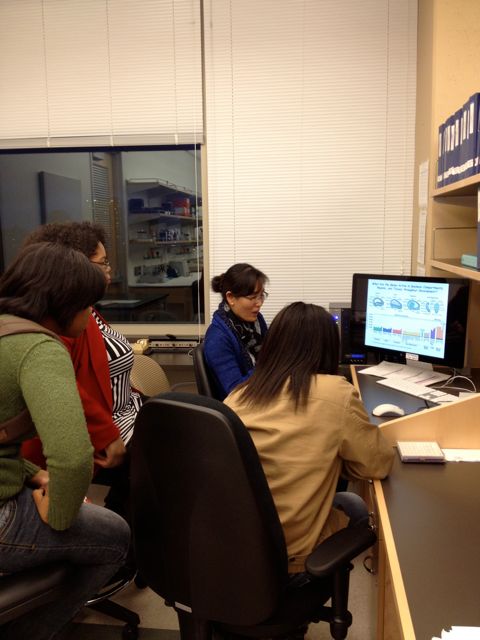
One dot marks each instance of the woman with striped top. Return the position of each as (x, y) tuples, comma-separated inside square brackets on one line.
[(102, 359)]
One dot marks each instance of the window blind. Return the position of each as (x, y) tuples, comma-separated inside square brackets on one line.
[(310, 113), (100, 72)]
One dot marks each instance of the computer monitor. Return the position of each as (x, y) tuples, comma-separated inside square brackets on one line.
[(414, 317)]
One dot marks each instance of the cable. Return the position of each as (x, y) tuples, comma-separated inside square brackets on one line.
[(447, 384)]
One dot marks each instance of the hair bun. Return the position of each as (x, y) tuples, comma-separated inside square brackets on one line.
[(217, 283)]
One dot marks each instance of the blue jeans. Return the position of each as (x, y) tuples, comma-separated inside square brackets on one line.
[(96, 545)]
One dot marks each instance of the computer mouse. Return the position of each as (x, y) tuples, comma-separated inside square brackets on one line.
[(383, 410)]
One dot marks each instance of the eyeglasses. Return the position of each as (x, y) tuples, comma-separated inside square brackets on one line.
[(103, 263), (257, 297)]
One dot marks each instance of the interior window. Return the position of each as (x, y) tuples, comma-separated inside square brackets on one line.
[(149, 202)]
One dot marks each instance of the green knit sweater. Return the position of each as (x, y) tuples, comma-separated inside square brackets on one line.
[(36, 372)]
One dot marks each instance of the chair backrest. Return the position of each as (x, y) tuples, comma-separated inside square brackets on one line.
[(203, 378), (206, 532), (147, 376)]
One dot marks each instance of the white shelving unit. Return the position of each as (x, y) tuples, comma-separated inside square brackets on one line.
[(164, 232), (456, 227)]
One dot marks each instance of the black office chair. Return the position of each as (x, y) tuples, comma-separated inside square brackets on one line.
[(102, 603), (203, 377), (26, 590), (207, 535), (198, 299)]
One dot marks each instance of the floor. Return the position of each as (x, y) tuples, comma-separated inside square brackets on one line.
[(159, 622)]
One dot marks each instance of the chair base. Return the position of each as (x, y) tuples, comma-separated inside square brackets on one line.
[(102, 603), (117, 611)]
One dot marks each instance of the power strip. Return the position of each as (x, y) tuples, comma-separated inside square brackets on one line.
[(172, 344)]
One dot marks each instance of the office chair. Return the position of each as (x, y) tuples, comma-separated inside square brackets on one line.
[(198, 299), (147, 376), (203, 377), (101, 602), (207, 534), (26, 590)]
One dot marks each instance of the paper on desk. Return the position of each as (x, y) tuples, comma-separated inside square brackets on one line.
[(419, 375), (460, 633), (462, 455), (383, 370)]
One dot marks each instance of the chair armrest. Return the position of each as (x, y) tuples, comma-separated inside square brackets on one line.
[(188, 385), (339, 549), (344, 545), (353, 506)]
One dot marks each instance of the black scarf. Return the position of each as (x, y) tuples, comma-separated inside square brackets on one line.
[(248, 333)]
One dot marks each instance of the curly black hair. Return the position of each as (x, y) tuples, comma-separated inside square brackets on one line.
[(82, 236)]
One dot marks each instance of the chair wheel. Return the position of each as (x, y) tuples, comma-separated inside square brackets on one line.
[(140, 582), (130, 632)]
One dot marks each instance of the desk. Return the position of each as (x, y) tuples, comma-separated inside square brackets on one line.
[(429, 525), (179, 291), (431, 529), (374, 394), (125, 309)]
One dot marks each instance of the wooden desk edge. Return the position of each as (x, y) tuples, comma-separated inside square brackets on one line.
[(434, 424), (400, 596)]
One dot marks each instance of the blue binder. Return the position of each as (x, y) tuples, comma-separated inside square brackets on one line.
[(441, 155), (449, 150), (469, 164), (457, 146)]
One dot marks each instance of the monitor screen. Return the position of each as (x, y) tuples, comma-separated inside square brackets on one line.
[(422, 318)]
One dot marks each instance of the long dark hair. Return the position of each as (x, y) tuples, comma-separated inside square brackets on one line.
[(48, 280), (302, 341), (82, 236), (240, 279)]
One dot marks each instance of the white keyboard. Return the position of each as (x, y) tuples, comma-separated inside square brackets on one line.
[(418, 390)]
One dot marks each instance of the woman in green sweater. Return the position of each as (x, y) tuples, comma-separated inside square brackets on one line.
[(43, 517)]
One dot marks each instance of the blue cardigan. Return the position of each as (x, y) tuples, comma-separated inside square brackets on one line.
[(224, 355)]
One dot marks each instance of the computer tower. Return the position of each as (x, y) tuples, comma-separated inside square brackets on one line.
[(341, 313)]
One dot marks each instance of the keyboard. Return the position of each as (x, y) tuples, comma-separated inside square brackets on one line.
[(420, 452), (420, 391)]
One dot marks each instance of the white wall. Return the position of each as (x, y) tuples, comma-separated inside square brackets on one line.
[(20, 195), (310, 116)]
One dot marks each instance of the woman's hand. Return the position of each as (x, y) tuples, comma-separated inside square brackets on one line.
[(41, 499), (40, 479), (114, 455)]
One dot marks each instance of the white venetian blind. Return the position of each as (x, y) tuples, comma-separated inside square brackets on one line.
[(100, 72), (310, 113)]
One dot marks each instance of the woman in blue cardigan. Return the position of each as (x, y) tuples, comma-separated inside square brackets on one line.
[(234, 338)]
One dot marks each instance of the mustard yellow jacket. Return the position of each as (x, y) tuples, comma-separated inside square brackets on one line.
[(303, 453)]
